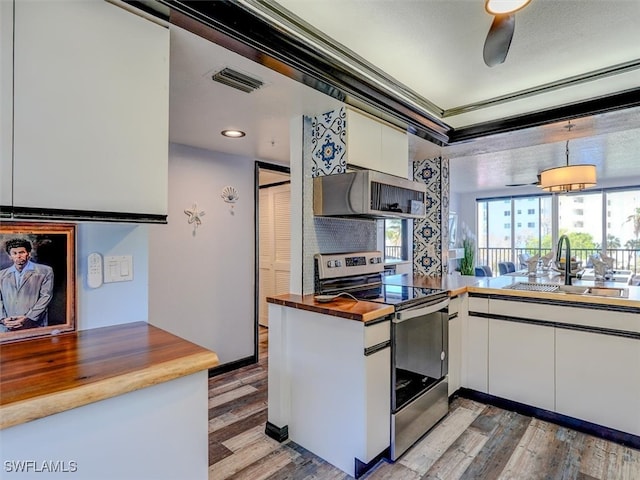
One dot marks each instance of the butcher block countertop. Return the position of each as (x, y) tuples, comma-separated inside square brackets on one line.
[(48, 375), (344, 307)]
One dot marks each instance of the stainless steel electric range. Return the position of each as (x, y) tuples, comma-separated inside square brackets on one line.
[(419, 338)]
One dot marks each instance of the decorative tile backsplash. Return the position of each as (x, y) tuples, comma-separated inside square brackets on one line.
[(325, 153), (430, 235), (328, 145)]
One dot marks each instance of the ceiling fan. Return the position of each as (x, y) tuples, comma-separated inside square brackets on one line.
[(537, 182), (498, 41)]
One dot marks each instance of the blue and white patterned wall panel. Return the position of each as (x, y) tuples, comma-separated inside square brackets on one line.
[(325, 153), (328, 143), (430, 244)]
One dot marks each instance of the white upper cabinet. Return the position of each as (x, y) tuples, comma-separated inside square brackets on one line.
[(6, 101), (91, 101), (374, 145)]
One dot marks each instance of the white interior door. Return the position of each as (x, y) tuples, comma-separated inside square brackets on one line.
[(275, 245)]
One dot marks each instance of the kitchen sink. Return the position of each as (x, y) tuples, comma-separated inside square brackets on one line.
[(595, 291)]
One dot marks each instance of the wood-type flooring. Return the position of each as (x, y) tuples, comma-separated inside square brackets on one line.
[(475, 441)]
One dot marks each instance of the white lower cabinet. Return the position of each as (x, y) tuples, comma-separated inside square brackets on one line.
[(455, 354), (330, 383), (477, 353), (556, 366), (521, 363), (598, 379)]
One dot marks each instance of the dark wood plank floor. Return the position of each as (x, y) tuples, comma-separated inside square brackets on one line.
[(474, 441)]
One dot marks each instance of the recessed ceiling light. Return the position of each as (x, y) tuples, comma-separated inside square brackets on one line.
[(504, 7), (233, 133)]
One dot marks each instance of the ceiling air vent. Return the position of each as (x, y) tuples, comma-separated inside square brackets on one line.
[(237, 80)]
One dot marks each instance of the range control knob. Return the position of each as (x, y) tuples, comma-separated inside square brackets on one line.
[(338, 263), (329, 263)]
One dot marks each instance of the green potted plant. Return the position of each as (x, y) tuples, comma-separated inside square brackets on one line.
[(466, 262)]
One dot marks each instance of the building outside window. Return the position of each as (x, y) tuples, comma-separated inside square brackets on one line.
[(593, 229)]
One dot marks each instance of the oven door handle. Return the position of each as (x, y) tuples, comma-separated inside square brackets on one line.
[(420, 311)]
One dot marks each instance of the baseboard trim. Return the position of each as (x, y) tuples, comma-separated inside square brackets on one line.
[(227, 367), (361, 468), (279, 434), (606, 433)]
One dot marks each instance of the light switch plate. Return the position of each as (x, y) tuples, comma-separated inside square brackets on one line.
[(118, 268)]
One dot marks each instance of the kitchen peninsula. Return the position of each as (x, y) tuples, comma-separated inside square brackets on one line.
[(76, 397), (567, 357)]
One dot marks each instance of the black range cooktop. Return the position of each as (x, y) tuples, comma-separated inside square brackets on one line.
[(402, 296)]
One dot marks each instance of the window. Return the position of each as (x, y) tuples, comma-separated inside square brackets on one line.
[(395, 240), (585, 233), (623, 229), (606, 222)]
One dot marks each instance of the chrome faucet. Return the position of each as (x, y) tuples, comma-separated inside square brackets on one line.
[(567, 258)]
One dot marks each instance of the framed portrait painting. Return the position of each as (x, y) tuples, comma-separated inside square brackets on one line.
[(37, 279)]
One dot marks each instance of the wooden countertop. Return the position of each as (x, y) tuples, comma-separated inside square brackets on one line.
[(360, 310), (48, 375), (455, 284)]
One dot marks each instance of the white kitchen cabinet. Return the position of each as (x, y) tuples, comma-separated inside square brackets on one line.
[(475, 343), (330, 384), (376, 146), (91, 96), (458, 308), (455, 354), (521, 363), (477, 354), (6, 102), (597, 379)]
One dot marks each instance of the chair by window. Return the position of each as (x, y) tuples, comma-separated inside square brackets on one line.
[(506, 267), (522, 258), (483, 271)]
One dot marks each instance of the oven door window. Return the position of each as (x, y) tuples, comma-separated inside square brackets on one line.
[(419, 357)]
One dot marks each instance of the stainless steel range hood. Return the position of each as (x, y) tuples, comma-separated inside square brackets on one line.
[(368, 194)]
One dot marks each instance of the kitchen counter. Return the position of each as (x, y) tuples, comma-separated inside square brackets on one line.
[(495, 286), (457, 284), (345, 307), (454, 284), (49, 375), (364, 311)]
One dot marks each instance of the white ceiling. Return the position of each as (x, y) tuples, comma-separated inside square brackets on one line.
[(434, 47)]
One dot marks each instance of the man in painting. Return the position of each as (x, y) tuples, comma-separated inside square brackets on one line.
[(26, 289)]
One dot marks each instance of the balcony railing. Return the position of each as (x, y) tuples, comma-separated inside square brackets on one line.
[(624, 258), (393, 252)]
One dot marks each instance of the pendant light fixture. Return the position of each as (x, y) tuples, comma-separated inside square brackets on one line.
[(569, 178)]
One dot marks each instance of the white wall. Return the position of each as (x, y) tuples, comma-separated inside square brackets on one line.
[(155, 433), (201, 286), (112, 303)]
